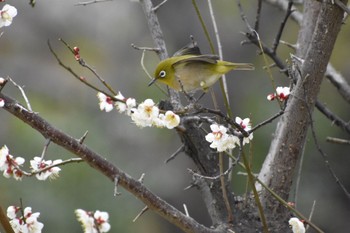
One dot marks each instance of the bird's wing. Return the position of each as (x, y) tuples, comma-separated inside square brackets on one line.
[(212, 59), (190, 49)]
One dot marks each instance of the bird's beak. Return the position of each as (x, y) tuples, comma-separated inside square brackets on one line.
[(152, 81)]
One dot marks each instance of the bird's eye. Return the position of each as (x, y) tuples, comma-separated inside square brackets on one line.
[(162, 74)]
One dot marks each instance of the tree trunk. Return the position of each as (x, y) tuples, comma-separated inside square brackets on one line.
[(320, 26)]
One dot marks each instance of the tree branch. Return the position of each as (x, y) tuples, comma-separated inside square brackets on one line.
[(96, 161)]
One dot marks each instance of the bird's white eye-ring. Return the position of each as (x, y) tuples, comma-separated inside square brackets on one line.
[(162, 74)]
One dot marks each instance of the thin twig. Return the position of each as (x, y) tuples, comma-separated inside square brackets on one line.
[(91, 2), (298, 177), (225, 173), (157, 50), (141, 213), (159, 5), (83, 63), (47, 143), (178, 151), (243, 16), (280, 31), (147, 73), (32, 173), (255, 192), (342, 6), (333, 117), (325, 159), (116, 182), (82, 139), (186, 210), (199, 15), (80, 78), (267, 121), (257, 18), (338, 140), (224, 190), (142, 177), (223, 82), (311, 213), (22, 92)]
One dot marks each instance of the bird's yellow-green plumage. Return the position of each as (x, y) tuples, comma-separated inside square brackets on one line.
[(190, 72)]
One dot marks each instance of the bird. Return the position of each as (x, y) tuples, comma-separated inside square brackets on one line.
[(188, 70)]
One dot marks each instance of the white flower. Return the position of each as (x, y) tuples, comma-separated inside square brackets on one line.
[(32, 225), (10, 165), (11, 212), (146, 114), (101, 219), (283, 92), (296, 225), (171, 120), (4, 152), (246, 125), (85, 219), (106, 103), (16, 225), (7, 13), (120, 105), (219, 139), (124, 105), (91, 221), (28, 223), (2, 102), (38, 164), (159, 121)]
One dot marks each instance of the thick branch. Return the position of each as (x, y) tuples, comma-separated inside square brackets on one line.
[(317, 36), (161, 207)]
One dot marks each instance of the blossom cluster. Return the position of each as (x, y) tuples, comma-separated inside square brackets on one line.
[(282, 93), (11, 166), (38, 164), (28, 223), (146, 114), (93, 222), (222, 141), (7, 14), (296, 225)]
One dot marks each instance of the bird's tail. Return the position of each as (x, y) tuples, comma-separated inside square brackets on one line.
[(241, 66)]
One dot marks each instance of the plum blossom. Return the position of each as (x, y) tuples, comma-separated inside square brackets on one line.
[(28, 223), (246, 125), (125, 104), (106, 102), (10, 165), (38, 164), (296, 225), (146, 114), (171, 120), (282, 93), (219, 139), (7, 14), (91, 221), (2, 102)]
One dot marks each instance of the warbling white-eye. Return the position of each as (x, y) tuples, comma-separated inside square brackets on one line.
[(189, 70)]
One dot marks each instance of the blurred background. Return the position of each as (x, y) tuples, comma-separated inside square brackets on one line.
[(104, 33)]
